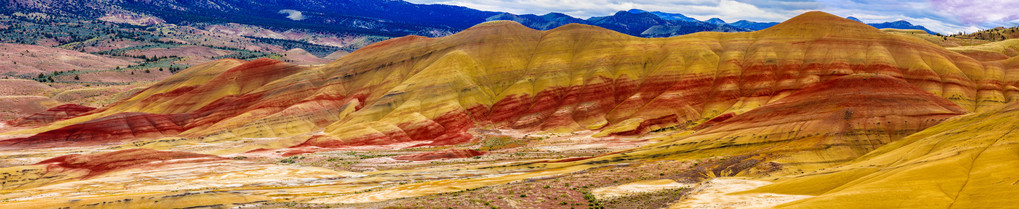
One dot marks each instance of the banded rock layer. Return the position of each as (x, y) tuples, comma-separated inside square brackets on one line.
[(110, 129), (52, 115), (817, 127), (423, 91), (966, 162), (97, 164)]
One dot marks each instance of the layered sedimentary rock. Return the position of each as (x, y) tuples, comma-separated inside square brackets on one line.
[(814, 92), (967, 162), (555, 81), (98, 164), (991, 51), (829, 123), (197, 97), (52, 115), (85, 166), (23, 106), (429, 91), (441, 154), (110, 129)]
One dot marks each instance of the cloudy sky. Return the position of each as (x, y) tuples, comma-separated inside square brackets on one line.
[(944, 16)]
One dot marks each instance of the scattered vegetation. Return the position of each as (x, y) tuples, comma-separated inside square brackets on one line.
[(993, 34)]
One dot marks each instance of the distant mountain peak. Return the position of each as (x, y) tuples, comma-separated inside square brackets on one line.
[(556, 14), (716, 21), (664, 15), (496, 23), (751, 25), (854, 18), (675, 16), (646, 16), (900, 24), (636, 11)]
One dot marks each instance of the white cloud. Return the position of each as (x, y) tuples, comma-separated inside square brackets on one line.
[(731, 11), (931, 24), (293, 14), (976, 12)]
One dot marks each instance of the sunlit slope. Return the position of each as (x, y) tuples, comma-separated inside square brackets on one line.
[(576, 77), (967, 162), (583, 77), (823, 125), (991, 51), (197, 97), (187, 79)]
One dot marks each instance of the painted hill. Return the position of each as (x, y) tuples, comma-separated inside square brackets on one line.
[(967, 162), (812, 92), (431, 91), (816, 127), (993, 51), (53, 115)]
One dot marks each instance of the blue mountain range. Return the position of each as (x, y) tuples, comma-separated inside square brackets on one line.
[(389, 17)]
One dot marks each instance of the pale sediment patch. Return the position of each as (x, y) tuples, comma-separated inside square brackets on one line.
[(637, 188), (180, 175), (716, 193), (440, 186)]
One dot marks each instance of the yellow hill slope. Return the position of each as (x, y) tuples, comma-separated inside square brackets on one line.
[(576, 77), (967, 162)]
